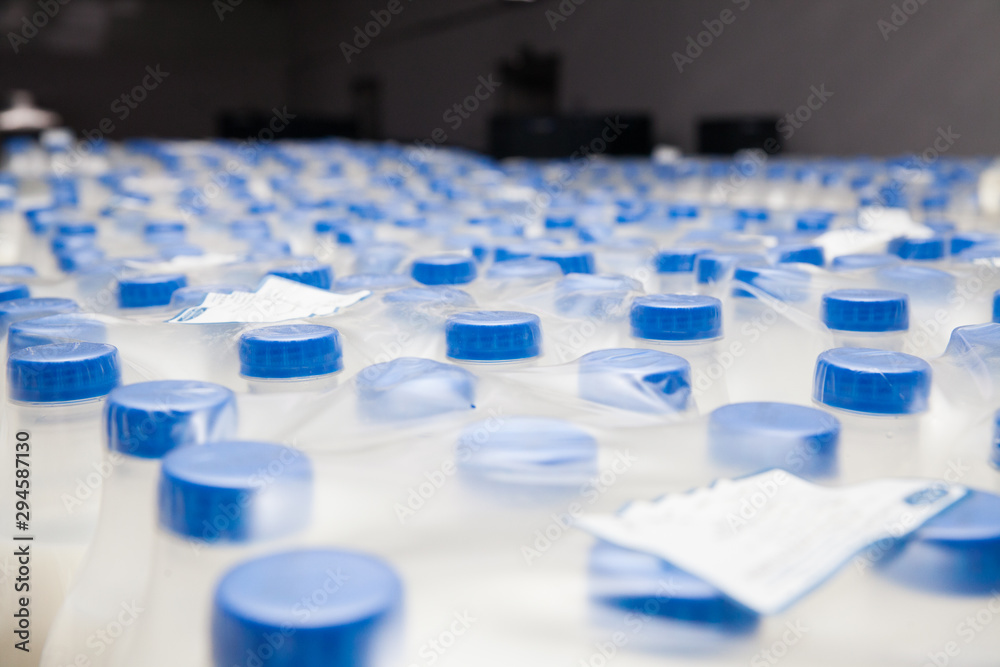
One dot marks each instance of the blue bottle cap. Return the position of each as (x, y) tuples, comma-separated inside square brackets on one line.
[(865, 310), (149, 419), (918, 249), (31, 308), (493, 335), (800, 254), (412, 388), (783, 284), (603, 298), (444, 270), (11, 291), (554, 221), (437, 295), (920, 282), (69, 244), (76, 229), (17, 271), (164, 233), (954, 552), (527, 450), (677, 260), (355, 602), (996, 306), (81, 259), (870, 381), (634, 379), (371, 281), (290, 351), (307, 272), (527, 269), (965, 240), (643, 584), (676, 317), (63, 328), (716, 267), (813, 221), (330, 225), (146, 291), (756, 436), (354, 234), (235, 491), (62, 372), (570, 261), (863, 261)]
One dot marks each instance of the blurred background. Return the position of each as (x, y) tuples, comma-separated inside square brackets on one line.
[(519, 77)]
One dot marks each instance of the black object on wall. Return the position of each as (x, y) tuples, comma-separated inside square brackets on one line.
[(725, 136), (564, 136)]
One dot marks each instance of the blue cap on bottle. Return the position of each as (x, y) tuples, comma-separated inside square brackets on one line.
[(30, 308), (355, 602), (954, 552), (528, 269), (76, 229), (354, 234), (865, 310), (215, 492), (70, 244), (164, 233), (870, 381), (965, 240), (918, 249), (554, 221), (800, 254), (863, 261), (330, 225), (813, 221), (528, 451), (62, 328), (371, 281), (677, 260), (783, 284), (754, 436), (444, 270), (676, 317), (996, 306), (307, 272), (411, 388), (439, 295), (11, 291), (634, 379), (716, 267), (146, 291), (493, 335), (570, 261), (290, 351), (641, 583), (63, 372), (149, 419)]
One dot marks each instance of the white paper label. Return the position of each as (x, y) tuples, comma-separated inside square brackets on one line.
[(768, 539), (276, 300)]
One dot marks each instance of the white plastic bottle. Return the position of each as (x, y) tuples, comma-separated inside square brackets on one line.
[(879, 397), (219, 504), (690, 326), (355, 617), (145, 421), (52, 425)]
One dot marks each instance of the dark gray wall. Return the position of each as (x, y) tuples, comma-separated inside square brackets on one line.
[(940, 69)]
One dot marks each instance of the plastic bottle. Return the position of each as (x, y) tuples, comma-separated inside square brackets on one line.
[(291, 358), (53, 424), (145, 421), (691, 327), (878, 397), (219, 504), (866, 318)]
